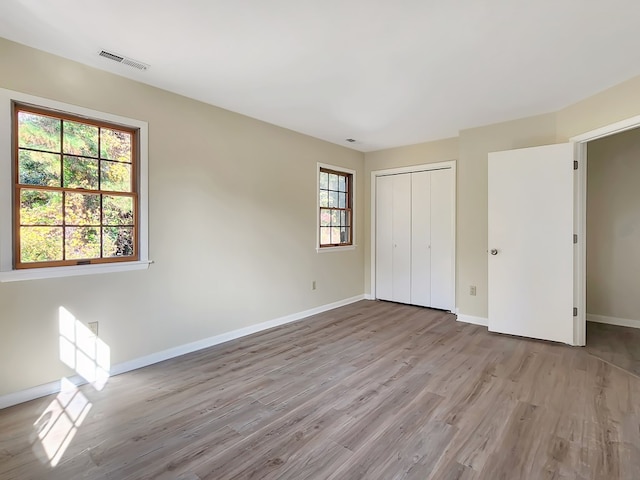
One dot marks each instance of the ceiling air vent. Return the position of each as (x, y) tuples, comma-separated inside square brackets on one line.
[(123, 60)]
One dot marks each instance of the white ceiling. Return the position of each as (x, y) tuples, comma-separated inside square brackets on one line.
[(386, 73)]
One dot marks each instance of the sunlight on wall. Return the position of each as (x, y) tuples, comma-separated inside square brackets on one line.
[(83, 351), (59, 423)]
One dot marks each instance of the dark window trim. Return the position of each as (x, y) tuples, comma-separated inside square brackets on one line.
[(348, 208)]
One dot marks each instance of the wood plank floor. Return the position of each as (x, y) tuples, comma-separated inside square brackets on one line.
[(617, 345), (372, 390)]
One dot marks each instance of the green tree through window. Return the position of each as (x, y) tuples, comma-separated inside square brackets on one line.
[(75, 190)]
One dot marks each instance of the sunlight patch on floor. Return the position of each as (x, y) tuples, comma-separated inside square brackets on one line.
[(58, 424)]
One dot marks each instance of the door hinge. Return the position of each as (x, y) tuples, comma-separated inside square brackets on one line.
[(575, 164), (575, 311), (575, 238)]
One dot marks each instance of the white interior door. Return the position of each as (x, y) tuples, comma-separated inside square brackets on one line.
[(531, 242), (421, 238), (384, 238), (393, 238), (401, 238), (442, 243)]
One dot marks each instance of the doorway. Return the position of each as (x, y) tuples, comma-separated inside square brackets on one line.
[(575, 183), (613, 249), (605, 220)]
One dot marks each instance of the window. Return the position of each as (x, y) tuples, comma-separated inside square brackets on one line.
[(75, 192), (335, 207)]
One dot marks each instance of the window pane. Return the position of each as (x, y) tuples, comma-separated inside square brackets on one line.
[(325, 218), (342, 200), (324, 198), (80, 139), (81, 209), (40, 244), (40, 207), (117, 210), (115, 145), (118, 242), (335, 217), (333, 181), (37, 168), (335, 234), (115, 177), (333, 199), (80, 173), (324, 180), (39, 132), (82, 242), (342, 183), (343, 218), (344, 235), (325, 235)]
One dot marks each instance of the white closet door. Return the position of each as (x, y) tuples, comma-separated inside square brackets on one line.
[(384, 238), (421, 238), (442, 254), (401, 263)]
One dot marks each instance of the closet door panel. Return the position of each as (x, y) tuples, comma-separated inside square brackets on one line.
[(442, 251), (421, 238), (401, 263), (384, 238)]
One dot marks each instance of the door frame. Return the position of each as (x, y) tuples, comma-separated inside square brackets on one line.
[(580, 218), (445, 165)]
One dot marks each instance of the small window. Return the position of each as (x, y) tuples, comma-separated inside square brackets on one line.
[(75, 190), (336, 208)]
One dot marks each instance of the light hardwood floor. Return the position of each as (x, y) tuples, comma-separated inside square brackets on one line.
[(618, 345), (369, 391)]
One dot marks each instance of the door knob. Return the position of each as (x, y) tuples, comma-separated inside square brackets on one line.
[(494, 251)]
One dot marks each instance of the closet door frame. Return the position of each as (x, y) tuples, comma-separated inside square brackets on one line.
[(450, 165)]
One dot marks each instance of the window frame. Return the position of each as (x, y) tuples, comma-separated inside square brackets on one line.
[(18, 187), (320, 248), (8, 189)]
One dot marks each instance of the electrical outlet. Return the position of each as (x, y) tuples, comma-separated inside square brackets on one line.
[(93, 326), (313, 285), (472, 290)]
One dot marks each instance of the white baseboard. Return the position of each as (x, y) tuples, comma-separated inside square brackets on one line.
[(621, 322), (36, 392), (474, 320), (368, 296), (54, 387)]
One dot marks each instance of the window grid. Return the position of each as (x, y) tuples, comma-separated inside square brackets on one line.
[(335, 201), (112, 189)]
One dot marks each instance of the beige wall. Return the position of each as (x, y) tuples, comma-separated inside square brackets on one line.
[(613, 226), (232, 228), (617, 103)]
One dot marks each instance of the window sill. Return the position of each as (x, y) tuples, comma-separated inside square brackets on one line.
[(57, 272), (335, 249)]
